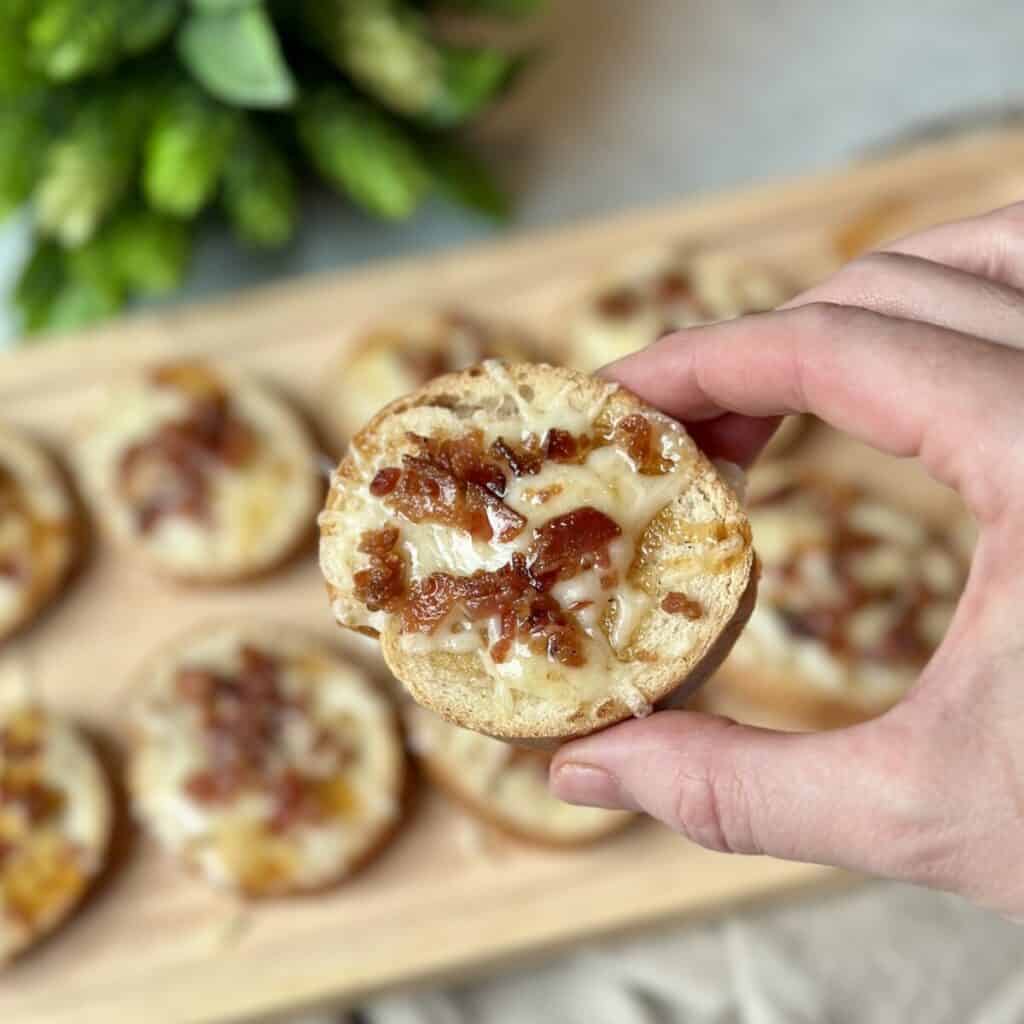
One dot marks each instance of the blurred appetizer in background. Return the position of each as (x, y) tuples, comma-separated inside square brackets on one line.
[(659, 290), (39, 533), (264, 760), (56, 816), (502, 785), (541, 553), (855, 595), (211, 477), (401, 354)]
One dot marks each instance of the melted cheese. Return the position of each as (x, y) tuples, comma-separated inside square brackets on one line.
[(229, 840)]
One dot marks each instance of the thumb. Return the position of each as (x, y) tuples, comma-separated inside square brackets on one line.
[(847, 798)]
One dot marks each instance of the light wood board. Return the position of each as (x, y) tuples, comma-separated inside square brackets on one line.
[(445, 899)]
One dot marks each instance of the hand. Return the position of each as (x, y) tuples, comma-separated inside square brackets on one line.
[(919, 351)]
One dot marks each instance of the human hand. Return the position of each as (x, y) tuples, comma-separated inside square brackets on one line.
[(918, 350)]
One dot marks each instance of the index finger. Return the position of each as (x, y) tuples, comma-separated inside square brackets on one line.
[(906, 388)]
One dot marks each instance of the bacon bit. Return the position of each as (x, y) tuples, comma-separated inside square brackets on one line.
[(37, 801), (561, 446), (384, 482), (569, 544), (381, 586), (634, 434), (12, 568), (524, 461), (609, 580), (676, 603), (242, 716), (169, 473), (451, 482), (618, 303), (673, 286)]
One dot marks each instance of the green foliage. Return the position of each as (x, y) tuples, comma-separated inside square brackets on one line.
[(145, 24), (123, 122), (464, 178), (497, 8), (23, 143), (259, 191), (364, 153), (186, 150), (71, 38), (236, 55), (90, 168)]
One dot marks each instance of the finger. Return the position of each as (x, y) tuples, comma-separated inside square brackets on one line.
[(991, 245), (914, 288), (904, 387), (847, 798)]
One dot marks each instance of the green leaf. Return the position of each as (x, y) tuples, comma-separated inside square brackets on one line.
[(91, 167), (221, 5), (186, 151), (146, 23), (464, 178), (71, 38), (23, 141), (498, 8), (385, 48), (235, 54), (147, 252), (40, 282), (364, 153), (473, 77), (259, 191), (16, 74), (83, 301)]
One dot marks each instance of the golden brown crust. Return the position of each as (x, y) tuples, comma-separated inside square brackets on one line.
[(442, 681)]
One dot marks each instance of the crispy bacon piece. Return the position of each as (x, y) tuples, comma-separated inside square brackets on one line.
[(381, 586), (453, 483), (570, 544), (242, 715), (169, 473)]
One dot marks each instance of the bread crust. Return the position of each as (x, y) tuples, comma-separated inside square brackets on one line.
[(449, 683), (450, 762)]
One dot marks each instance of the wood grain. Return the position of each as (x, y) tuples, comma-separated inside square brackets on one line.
[(446, 898)]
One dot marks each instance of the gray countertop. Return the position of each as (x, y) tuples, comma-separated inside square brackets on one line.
[(639, 101)]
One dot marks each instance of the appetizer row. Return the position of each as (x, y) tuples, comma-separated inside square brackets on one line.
[(267, 761)]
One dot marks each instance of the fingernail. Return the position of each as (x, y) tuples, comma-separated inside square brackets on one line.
[(577, 783)]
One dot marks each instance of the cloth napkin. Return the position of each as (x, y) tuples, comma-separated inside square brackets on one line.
[(877, 954)]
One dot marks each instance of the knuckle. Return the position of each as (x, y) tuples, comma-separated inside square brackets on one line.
[(713, 806)]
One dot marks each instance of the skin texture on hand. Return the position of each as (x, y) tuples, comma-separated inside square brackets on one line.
[(917, 350)]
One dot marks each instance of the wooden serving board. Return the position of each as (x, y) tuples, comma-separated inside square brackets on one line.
[(446, 898)]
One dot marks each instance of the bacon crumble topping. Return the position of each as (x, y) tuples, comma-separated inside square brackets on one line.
[(169, 473), (243, 715), (457, 482), (903, 640)]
